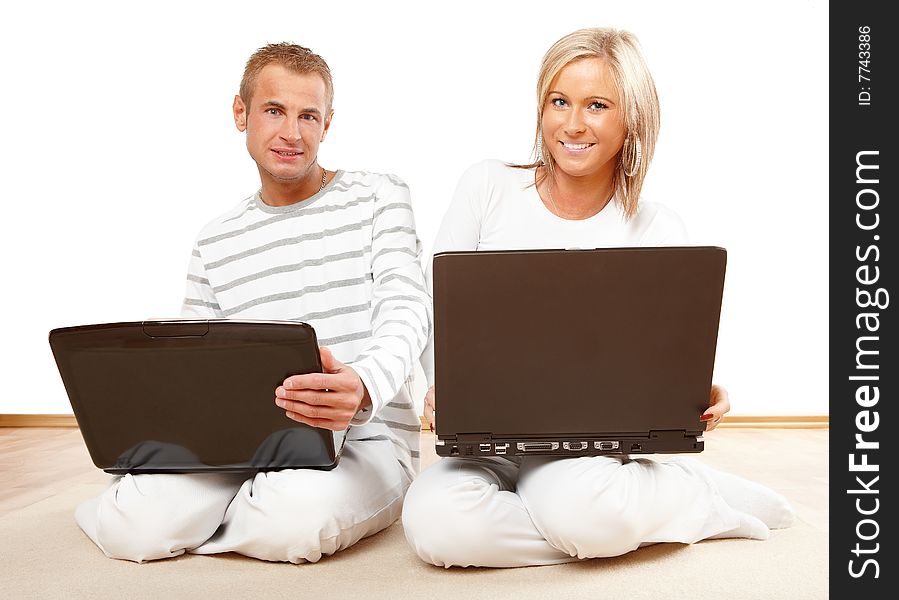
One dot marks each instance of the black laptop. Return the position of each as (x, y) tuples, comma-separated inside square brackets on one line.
[(575, 352), (191, 396)]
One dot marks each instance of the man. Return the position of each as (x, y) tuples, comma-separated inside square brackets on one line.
[(338, 250)]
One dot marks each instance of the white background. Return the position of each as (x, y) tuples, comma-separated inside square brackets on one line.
[(119, 145)]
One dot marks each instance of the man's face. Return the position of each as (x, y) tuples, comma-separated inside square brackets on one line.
[(287, 119)]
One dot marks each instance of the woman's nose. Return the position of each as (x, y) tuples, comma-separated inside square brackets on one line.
[(574, 123)]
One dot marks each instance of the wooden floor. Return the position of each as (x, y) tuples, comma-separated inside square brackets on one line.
[(37, 463)]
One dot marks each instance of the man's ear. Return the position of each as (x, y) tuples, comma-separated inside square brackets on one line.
[(327, 125), (240, 113)]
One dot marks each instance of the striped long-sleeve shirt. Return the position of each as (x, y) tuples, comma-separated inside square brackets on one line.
[(346, 261)]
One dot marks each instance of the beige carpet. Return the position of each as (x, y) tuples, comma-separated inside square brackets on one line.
[(43, 554)]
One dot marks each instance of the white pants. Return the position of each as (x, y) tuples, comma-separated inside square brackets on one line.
[(296, 515), (491, 512)]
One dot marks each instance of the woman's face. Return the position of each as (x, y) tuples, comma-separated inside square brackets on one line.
[(583, 122)]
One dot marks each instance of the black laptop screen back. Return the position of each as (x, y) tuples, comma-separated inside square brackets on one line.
[(189, 395), (575, 342)]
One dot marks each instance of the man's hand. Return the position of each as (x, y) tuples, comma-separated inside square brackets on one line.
[(328, 400), (719, 405), (431, 408)]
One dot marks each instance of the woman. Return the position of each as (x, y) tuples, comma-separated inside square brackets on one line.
[(597, 124)]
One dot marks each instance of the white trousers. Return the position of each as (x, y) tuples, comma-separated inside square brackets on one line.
[(491, 512), (295, 515)]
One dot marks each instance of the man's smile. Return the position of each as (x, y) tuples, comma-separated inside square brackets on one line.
[(286, 153)]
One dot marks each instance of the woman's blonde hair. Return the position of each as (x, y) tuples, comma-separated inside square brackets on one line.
[(620, 51)]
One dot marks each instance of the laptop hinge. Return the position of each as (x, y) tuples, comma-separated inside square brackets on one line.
[(474, 437), (669, 434)]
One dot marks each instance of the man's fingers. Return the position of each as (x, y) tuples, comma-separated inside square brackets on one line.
[(333, 399), (309, 381), (319, 381), (316, 411), (320, 423), (313, 397)]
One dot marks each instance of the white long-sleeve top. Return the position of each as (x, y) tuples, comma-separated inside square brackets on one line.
[(346, 261), (497, 207)]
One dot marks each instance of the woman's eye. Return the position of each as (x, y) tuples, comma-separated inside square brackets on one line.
[(597, 106), (558, 102)]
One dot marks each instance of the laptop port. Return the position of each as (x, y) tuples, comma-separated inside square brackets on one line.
[(537, 446), (454, 451), (574, 446), (485, 447), (636, 448), (607, 446), (501, 448)]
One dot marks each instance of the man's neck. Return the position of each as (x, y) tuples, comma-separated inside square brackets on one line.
[(285, 193)]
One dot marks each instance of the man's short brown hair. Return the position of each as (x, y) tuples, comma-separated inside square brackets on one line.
[(291, 56)]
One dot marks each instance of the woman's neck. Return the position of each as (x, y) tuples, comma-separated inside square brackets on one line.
[(575, 198)]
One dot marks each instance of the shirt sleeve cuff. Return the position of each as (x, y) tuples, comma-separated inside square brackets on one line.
[(363, 417), (366, 414)]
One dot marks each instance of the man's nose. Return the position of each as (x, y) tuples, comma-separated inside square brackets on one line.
[(290, 130)]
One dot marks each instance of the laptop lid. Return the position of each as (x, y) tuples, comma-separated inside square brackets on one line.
[(575, 351), (191, 396)]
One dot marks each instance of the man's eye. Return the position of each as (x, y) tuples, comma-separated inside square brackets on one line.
[(272, 111), (309, 117)]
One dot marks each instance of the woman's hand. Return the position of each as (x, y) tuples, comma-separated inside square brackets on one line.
[(719, 405), (430, 408)]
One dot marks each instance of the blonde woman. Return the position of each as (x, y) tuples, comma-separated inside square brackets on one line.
[(597, 125)]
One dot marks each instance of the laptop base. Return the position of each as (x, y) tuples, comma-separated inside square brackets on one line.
[(569, 446)]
